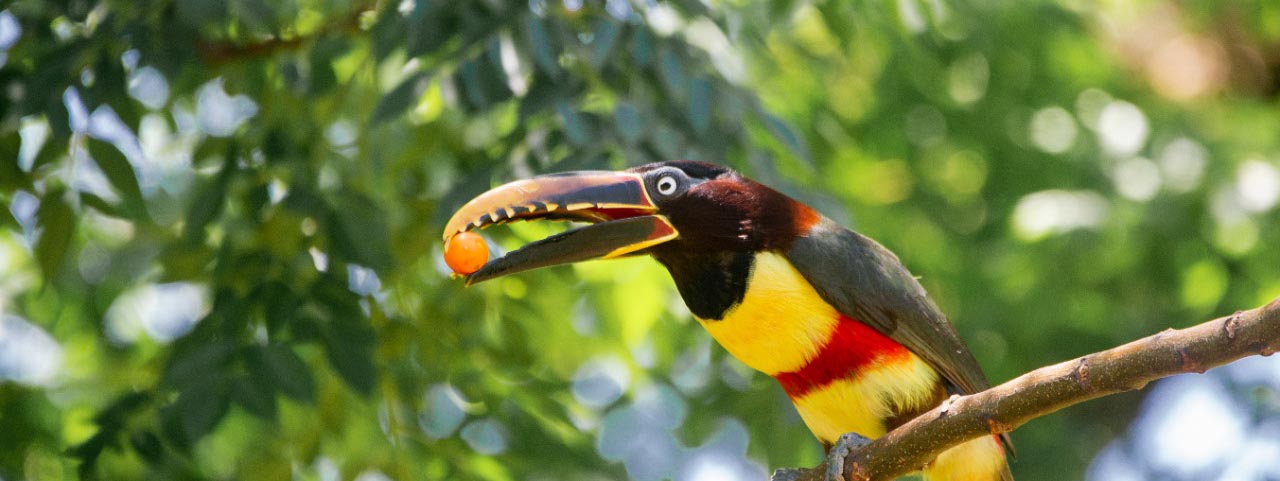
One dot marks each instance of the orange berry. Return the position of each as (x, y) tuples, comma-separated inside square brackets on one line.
[(466, 252)]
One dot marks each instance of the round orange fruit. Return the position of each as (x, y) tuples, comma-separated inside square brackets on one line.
[(466, 252)]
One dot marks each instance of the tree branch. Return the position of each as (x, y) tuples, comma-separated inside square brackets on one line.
[(222, 52), (1048, 389)]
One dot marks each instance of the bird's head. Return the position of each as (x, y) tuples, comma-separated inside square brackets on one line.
[(672, 210)]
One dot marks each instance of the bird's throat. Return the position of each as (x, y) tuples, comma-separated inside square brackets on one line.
[(711, 283)]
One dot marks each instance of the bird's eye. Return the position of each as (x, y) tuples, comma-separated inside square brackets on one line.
[(667, 185)]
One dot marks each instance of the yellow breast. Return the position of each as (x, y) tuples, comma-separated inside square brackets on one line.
[(780, 324), (861, 402)]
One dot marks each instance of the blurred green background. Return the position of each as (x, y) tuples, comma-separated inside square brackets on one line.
[(220, 255)]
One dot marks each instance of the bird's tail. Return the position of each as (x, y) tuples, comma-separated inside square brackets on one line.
[(980, 459)]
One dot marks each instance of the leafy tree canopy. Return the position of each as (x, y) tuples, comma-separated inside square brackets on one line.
[(219, 253)]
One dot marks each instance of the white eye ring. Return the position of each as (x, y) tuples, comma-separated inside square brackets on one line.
[(667, 185)]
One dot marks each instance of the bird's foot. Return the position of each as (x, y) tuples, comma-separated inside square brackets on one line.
[(789, 474), (848, 443)]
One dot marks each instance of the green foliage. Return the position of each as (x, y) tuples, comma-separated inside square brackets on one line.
[(246, 283)]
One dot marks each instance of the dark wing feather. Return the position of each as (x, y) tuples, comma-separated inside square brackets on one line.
[(864, 281)]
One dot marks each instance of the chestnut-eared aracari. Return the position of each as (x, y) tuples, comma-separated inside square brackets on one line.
[(833, 316)]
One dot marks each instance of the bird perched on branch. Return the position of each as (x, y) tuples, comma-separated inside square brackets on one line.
[(833, 316)]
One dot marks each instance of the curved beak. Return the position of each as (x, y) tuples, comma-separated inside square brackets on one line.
[(624, 219)]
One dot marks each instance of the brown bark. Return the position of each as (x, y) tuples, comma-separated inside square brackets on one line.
[(1048, 389)]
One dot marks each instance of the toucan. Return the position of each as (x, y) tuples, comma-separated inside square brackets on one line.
[(833, 316)]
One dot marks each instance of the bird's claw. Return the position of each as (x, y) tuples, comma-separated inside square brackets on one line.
[(847, 444), (788, 474)]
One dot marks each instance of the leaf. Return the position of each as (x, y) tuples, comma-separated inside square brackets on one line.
[(57, 223), (399, 99), (200, 13), (575, 124), (101, 205), (359, 232), (700, 96), (322, 77), (45, 87), (212, 149), (88, 452), (52, 150), (546, 52), (147, 445), (110, 421), (202, 406), (280, 367), (542, 94), (483, 82), (350, 343), (781, 8), (255, 14), (305, 202), (306, 328), (630, 122), (280, 304), (207, 203), (430, 25), (114, 416), (11, 175), (256, 397), (346, 334), (388, 33), (6, 217), (121, 175), (606, 37), (783, 132), (671, 71), (642, 47), (256, 198), (666, 141), (196, 365), (184, 261)]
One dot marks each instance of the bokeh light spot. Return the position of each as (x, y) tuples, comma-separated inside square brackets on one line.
[(164, 312), (1057, 211), (1122, 128), (925, 125), (1089, 106), (220, 114), (1258, 185), (1114, 464), (1188, 423), (692, 370), (967, 78), (28, 354), (372, 475), (363, 280), (1137, 179), (1053, 130), (10, 30), (148, 86), (619, 9), (486, 436), (1182, 161), (1203, 284), (600, 381), (442, 411)]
